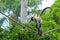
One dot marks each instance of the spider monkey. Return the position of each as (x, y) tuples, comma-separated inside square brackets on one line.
[(38, 20)]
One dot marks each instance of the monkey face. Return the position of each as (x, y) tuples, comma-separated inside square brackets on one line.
[(32, 19)]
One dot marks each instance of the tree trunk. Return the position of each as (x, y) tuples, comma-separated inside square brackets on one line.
[(23, 13)]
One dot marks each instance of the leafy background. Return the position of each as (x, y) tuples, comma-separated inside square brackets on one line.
[(50, 20)]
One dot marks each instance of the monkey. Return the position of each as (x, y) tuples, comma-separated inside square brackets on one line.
[(38, 20)]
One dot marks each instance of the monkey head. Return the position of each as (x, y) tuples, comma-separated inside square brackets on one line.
[(32, 19)]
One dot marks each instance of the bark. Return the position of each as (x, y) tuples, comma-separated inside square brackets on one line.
[(23, 13)]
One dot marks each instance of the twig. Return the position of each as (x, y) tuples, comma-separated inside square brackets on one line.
[(19, 23), (51, 30), (30, 27)]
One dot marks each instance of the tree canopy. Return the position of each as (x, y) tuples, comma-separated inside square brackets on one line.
[(21, 31)]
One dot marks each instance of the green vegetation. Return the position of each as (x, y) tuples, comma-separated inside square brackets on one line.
[(50, 20)]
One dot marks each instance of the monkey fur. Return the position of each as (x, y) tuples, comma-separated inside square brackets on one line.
[(38, 21)]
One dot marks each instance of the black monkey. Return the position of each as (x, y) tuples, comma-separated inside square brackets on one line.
[(38, 21)]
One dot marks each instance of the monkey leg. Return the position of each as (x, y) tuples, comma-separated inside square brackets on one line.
[(40, 32), (37, 25), (40, 29)]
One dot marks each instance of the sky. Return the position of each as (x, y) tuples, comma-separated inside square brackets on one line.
[(47, 3)]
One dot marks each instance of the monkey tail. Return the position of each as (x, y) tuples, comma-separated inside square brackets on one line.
[(45, 9)]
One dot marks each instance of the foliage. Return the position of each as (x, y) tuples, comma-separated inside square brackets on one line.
[(50, 20), (33, 2), (56, 12), (1, 21)]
